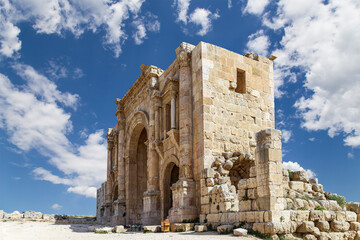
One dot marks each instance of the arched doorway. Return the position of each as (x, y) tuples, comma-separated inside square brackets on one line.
[(171, 177), (137, 175)]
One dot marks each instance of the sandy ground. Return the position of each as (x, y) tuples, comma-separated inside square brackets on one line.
[(48, 231)]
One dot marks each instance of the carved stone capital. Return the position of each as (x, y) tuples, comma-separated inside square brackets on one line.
[(184, 58)]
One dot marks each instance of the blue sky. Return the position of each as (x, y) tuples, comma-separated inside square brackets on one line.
[(64, 62)]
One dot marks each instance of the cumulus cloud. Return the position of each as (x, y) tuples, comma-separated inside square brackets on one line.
[(35, 118), (60, 16), (258, 43), (256, 6), (320, 40), (56, 206), (286, 135), (203, 17), (200, 16), (294, 166)]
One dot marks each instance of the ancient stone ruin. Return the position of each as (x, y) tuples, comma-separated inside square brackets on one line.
[(197, 141)]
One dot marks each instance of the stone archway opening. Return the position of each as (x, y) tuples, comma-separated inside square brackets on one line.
[(137, 176), (171, 177)]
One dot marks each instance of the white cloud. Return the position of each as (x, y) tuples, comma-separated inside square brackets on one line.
[(294, 166), (144, 24), (182, 10), (229, 4), (200, 16), (256, 6), (34, 119), (258, 43), (203, 17), (60, 16), (321, 41), (56, 206), (312, 139), (286, 135), (350, 155)]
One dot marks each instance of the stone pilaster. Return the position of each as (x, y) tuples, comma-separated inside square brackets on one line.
[(269, 171), (121, 148), (184, 190)]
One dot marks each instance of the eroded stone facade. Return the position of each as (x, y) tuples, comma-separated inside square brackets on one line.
[(198, 141)]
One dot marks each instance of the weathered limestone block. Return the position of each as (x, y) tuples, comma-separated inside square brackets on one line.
[(334, 206), (306, 227), (309, 237), (227, 155), (213, 218), (200, 228), (336, 236), (208, 173), (120, 228), (225, 229), (103, 230), (210, 182), (329, 215), (241, 216), (250, 217), (152, 228), (353, 206), (350, 234), (245, 205), (181, 227), (313, 181), (251, 183), (341, 216), (1, 214), (206, 190), (339, 226), (252, 193), (242, 193), (253, 172), (323, 226), (297, 186), (300, 176), (316, 215), (355, 226), (351, 216), (32, 215), (228, 165), (240, 232), (308, 187), (299, 216), (318, 188)]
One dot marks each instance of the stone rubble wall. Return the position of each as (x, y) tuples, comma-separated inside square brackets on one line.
[(33, 216)]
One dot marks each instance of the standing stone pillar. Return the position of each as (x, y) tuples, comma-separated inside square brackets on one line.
[(269, 173), (107, 205), (121, 163), (151, 200), (184, 190), (173, 111)]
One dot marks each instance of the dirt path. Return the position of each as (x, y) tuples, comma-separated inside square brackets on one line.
[(48, 231)]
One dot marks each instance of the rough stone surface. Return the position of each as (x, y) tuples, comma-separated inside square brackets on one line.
[(240, 232), (120, 229), (225, 229), (200, 228)]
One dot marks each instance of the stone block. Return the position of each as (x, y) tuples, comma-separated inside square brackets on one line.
[(213, 218), (318, 188), (355, 226), (260, 227), (245, 205), (251, 183), (308, 187), (300, 176), (313, 181), (121, 229), (309, 237), (252, 193), (15, 215), (240, 232), (353, 206), (300, 216), (48, 217), (210, 182), (341, 216), (200, 228), (181, 227), (225, 229), (339, 226), (323, 226), (241, 216), (206, 191), (103, 230), (351, 216), (205, 208), (329, 215), (334, 206), (242, 184), (253, 172), (207, 173), (316, 215), (242, 193), (250, 217), (306, 227), (297, 186)]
